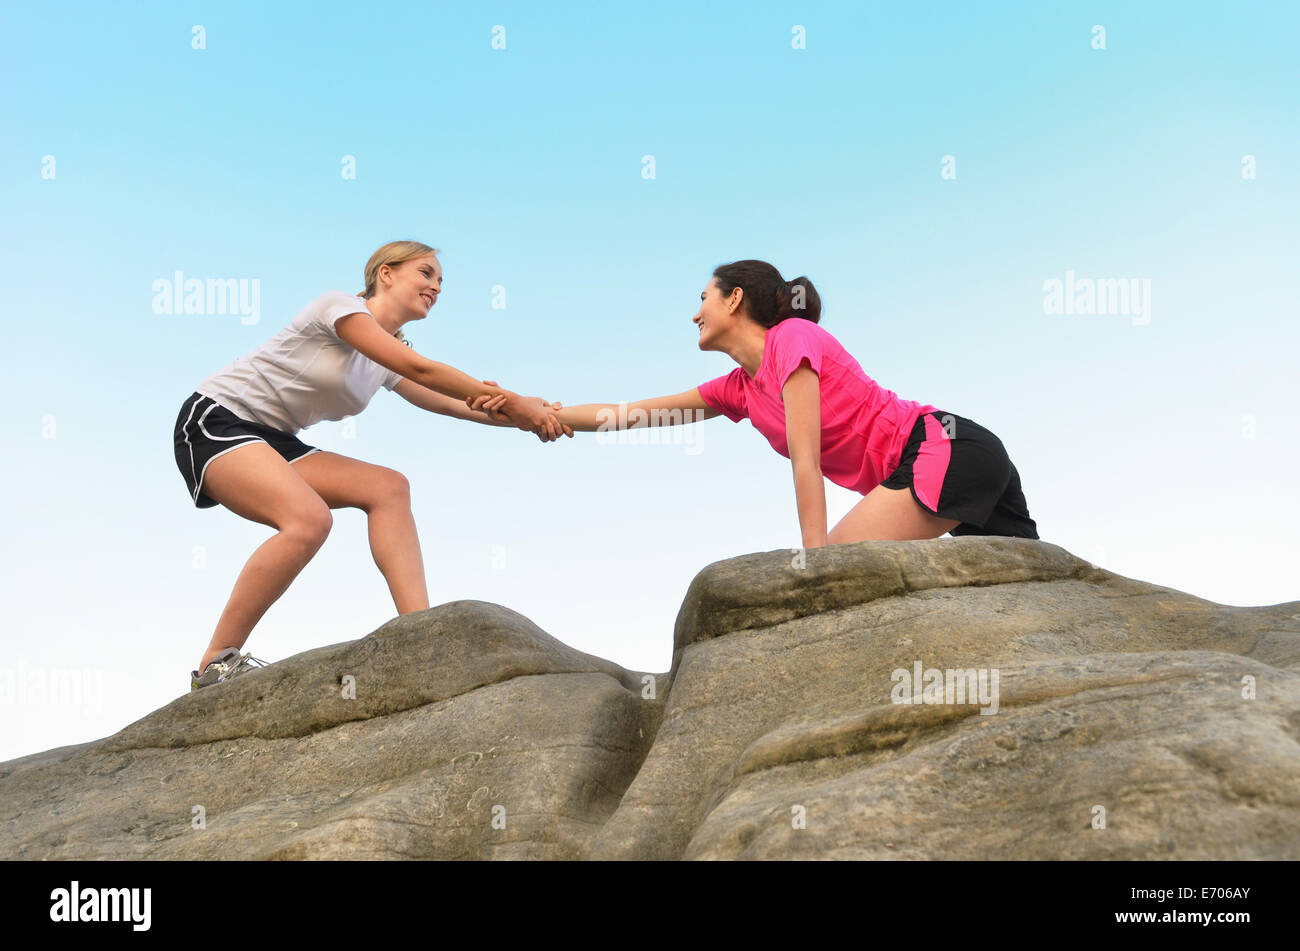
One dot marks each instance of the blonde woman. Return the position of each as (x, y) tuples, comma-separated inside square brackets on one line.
[(236, 442)]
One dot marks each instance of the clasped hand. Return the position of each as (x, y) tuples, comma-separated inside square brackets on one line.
[(530, 413)]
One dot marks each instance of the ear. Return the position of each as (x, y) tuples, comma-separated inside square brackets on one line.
[(733, 300)]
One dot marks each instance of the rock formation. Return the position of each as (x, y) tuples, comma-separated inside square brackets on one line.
[(962, 698)]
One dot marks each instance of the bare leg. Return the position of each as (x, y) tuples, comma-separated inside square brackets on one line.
[(889, 514), (385, 496), (255, 482), (266, 576), (396, 549)]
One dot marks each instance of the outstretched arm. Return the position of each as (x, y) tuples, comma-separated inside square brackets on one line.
[(435, 402), (687, 407), (363, 333), (803, 436)]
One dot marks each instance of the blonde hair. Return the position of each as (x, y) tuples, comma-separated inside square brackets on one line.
[(394, 252)]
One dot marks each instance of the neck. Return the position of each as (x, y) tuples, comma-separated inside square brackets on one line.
[(386, 315), (745, 345)]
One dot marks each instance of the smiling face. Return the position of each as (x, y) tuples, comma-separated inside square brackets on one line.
[(717, 314), (414, 284)]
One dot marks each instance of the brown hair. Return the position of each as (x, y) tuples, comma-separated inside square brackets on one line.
[(769, 298)]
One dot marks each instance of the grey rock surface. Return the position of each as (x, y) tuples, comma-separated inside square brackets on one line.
[(1119, 719), (463, 714)]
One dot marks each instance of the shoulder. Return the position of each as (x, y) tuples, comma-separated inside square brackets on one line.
[(340, 302), (799, 329), (326, 308), (792, 342), (796, 338)]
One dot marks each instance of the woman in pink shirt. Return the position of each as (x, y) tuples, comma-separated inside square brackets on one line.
[(923, 471)]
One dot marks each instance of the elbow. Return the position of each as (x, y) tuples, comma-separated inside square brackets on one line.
[(424, 372)]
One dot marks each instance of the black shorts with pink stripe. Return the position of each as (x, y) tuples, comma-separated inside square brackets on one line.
[(205, 430), (958, 469)]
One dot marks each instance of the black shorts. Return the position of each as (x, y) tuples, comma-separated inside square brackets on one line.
[(205, 429), (958, 469)]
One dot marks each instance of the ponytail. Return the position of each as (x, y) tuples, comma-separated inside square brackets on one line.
[(798, 298), (768, 297)]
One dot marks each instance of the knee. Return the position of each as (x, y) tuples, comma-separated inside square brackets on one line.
[(311, 527), (391, 488)]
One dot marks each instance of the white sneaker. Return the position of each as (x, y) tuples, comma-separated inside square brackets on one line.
[(229, 663)]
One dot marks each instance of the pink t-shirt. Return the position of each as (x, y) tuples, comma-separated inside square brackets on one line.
[(864, 425)]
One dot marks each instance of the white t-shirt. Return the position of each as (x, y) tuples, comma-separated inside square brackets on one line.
[(303, 374)]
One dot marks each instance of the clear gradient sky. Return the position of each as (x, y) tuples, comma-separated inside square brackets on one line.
[(1165, 449)]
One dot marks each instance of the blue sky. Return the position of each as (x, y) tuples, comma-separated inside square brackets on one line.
[(1163, 449)]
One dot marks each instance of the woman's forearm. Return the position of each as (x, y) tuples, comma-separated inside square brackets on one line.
[(602, 417), (810, 495), (435, 402), (476, 416), (527, 413), (445, 379), (589, 417)]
